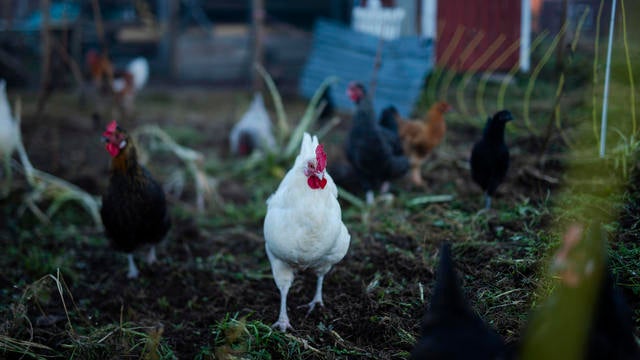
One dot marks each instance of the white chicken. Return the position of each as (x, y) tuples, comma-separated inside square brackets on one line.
[(303, 227), (127, 83), (111, 86), (138, 69), (8, 136), (253, 130)]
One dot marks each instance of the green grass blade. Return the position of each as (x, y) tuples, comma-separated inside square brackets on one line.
[(307, 118), (281, 115)]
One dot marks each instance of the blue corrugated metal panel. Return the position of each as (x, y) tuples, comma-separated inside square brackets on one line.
[(350, 55), (60, 13)]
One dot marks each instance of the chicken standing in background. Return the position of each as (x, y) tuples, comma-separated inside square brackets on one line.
[(100, 69), (369, 148), (124, 84), (450, 328), (8, 137), (419, 138), (253, 131), (490, 155), (128, 83), (134, 209), (303, 226)]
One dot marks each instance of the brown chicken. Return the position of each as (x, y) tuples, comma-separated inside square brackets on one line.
[(101, 70), (420, 137)]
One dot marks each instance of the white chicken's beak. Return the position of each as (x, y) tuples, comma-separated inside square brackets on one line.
[(123, 143), (320, 175)]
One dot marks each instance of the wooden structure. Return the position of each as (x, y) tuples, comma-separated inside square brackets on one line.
[(472, 35), (195, 41), (377, 20)]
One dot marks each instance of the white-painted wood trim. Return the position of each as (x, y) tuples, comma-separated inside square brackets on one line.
[(429, 18), (525, 36), (377, 20)]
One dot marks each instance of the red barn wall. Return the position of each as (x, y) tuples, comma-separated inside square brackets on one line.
[(492, 18)]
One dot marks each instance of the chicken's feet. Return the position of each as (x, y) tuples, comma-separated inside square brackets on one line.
[(151, 256), (282, 324), (312, 305), (317, 298), (133, 270), (416, 177), (369, 197), (487, 201), (283, 276), (386, 186)]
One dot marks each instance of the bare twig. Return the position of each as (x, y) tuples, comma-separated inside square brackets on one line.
[(45, 66), (73, 65), (97, 18)]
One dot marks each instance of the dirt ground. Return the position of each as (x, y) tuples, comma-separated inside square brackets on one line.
[(213, 267)]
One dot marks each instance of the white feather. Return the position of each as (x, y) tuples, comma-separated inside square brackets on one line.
[(118, 85), (8, 130), (256, 123), (139, 68)]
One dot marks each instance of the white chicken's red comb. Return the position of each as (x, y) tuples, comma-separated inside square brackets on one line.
[(321, 158)]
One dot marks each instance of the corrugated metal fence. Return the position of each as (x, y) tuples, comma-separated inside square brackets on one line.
[(339, 51)]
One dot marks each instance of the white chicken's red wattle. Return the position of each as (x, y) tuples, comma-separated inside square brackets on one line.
[(316, 183)]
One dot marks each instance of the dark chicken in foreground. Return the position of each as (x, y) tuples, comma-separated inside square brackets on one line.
[(584, 317), (134, 209), (490, 156), (369, 148), (450, 328)]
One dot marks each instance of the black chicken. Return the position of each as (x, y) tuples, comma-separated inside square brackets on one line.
[(389, 130), (611, 335), (490, 156), (450, 328), (369, 150), (134, 209)]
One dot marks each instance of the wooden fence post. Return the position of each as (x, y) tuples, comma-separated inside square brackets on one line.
[(257, 41)]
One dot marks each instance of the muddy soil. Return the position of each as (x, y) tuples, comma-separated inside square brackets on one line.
[(374, 298)]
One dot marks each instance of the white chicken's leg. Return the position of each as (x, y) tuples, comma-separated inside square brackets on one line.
[(151, 257), (133, 270), (283, 276), (317, 298)]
